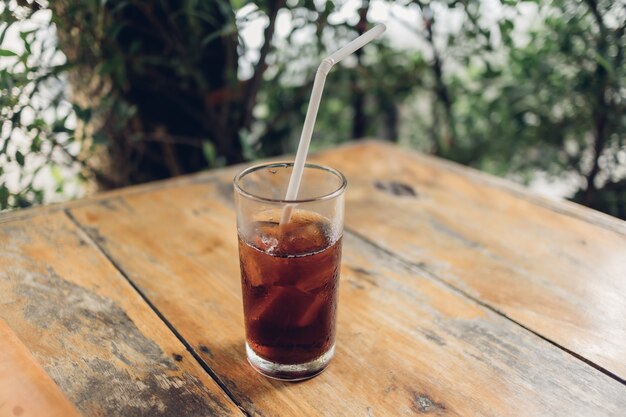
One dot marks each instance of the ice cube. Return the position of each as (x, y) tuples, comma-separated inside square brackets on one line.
[(283, 307), (302, 238), (268, 243), (311, 282), (312, 311), (251, 270), (269, 305), (257, 267)]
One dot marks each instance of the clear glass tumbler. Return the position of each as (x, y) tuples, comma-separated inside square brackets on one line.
[(289, 272)]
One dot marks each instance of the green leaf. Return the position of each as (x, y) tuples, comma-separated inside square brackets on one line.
[(38, 196), (237, 4), (59, 127), (38, 123), (4, 197), (506, 28), (58, 69), (82, 177), (56, 173), (35, 145), (19, 157), (208, 149), (24, 34), (603, 62), (22, 201), (451, 40), (83, 114), (6, 52)]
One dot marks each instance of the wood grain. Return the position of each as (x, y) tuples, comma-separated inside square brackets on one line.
[(25, 388), (554, 268), (91, 332), (407, 344)]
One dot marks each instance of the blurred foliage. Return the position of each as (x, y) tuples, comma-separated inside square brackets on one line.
[(555, 104), (116, 93)]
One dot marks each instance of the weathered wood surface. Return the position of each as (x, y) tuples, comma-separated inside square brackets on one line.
[(406, 343), (25, 388), (89, 329), (562, 276), (446, 275)]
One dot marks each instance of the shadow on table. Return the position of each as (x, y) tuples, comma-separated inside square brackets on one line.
[(230, 365)]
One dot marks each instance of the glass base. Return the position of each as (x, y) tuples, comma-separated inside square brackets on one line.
[(282, 372)]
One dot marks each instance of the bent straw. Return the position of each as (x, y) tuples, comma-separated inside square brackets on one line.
[(311, 114)]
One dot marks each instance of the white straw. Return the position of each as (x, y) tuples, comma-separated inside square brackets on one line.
[(311, 114)]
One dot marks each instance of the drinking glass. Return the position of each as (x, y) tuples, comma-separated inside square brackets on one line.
[(289, 271)]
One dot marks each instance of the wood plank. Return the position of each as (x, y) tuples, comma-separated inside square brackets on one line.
[(25, 388), (406, 344), (91, 331), (559, 275)]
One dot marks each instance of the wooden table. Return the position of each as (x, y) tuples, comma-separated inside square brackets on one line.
[(460, 294)]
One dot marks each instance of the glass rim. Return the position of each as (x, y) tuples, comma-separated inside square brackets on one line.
[(324, 197)]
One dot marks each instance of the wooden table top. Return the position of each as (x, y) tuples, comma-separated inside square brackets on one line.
[(460, 295)]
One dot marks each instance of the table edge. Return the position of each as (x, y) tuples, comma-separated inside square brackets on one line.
[(559, 205)]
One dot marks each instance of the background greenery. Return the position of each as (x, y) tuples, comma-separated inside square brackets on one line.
[(103, 94)]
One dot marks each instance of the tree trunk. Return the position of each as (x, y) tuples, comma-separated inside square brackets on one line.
[(178, 73)]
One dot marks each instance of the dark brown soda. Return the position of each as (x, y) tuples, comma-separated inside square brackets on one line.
[(290, 276)]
